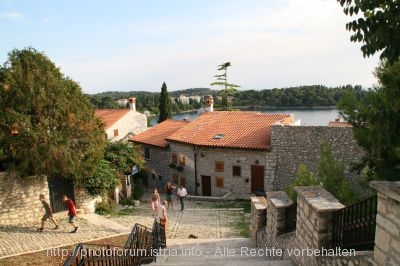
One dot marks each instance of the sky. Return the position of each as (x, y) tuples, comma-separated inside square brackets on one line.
[(129, 45)]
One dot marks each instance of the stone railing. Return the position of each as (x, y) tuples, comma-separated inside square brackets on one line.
[(310, 243)]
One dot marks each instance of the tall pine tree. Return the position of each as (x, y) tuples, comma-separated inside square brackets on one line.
[(165, 104)]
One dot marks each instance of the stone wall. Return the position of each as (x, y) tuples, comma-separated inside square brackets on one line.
[(313, 228), (293, 145), (84, 201), (157, 165), (19, 198), (387, 234), (240, 186)]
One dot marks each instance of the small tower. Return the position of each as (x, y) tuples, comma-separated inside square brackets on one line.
[(209, 103)]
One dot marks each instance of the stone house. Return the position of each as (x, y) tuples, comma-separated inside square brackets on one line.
[(217, 153), (156, 150), (119, 124)]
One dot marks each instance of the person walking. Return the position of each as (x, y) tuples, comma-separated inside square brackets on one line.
[(155, 201), (162, 214), (48, 213), (71, 213), (182, 194), (169, 188)]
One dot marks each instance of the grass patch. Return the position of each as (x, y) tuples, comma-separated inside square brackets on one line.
[(243, 227)]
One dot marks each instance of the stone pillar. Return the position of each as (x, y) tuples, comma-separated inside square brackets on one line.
[(387, 234), (277, 201), (258, 217), (84, 201), (314, 220)]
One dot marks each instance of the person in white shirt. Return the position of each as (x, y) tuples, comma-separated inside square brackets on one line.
[(181, 192)]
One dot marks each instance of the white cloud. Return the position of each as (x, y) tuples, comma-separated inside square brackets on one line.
[(13, 16)]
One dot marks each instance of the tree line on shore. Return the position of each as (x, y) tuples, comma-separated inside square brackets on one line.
[(300, 96)]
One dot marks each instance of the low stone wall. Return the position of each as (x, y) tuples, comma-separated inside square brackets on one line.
[(19, 198), (85, 202), (313, 229)]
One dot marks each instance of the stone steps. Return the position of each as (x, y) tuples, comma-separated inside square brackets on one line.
[(218, 252)]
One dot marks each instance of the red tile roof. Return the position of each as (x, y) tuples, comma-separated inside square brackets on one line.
[(245, 130), (156, 135), (110, 116), (339, 124)]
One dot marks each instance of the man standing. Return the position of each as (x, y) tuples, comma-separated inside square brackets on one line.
[(48, 214), (182, 194), (71, 213)]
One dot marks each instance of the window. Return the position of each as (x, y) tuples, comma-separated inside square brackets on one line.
[(219, 181), (160, 178), (146, 152), (236, 170), (175, 179), (174, 158), (182, 159), (219, 166), (115, 132), (182, 181)]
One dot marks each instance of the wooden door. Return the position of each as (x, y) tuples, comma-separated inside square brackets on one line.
[(257, 178), (206, 185)]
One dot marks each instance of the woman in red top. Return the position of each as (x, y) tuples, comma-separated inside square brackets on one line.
[(71, 212)]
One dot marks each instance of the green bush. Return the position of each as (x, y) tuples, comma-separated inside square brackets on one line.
[(126, 201), (104, 207)]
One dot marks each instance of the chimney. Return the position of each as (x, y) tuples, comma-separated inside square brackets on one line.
[(209, 103), (132, 104)]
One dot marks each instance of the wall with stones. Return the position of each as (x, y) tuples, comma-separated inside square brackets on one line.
[(158, 166), (313, 228), (387, 234), (240, 186), (85, 202), (19, 198), (293, 145)]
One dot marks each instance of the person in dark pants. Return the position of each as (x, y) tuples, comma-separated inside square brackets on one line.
[(169, 188), (48, 214), (71, 213), (182, 194)]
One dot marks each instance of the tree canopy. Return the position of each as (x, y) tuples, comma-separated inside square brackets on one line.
[(47, 126), (377, 27)]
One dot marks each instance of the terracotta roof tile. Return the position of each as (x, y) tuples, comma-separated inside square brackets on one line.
[(339, 124), (246, 130), (156, 135), (110, 116)]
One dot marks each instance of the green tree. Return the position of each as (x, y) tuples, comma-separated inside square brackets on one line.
[(378, 26), (165, 104), (122, 156), (47, 126), (229, 88), (332, 178), (304, 177), (376, 124), (102, 181)]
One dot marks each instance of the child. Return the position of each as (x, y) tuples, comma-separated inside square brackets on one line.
[(71, 213), (155, 201), (48, 214)]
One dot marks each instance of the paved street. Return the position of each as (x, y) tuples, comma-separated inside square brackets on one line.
[(201, 219)]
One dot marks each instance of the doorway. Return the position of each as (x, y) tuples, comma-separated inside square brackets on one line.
[(206, 185)]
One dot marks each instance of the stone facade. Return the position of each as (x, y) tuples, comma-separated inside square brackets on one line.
[(206, 158), (19, 198), (157, 165), (293, 145)]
